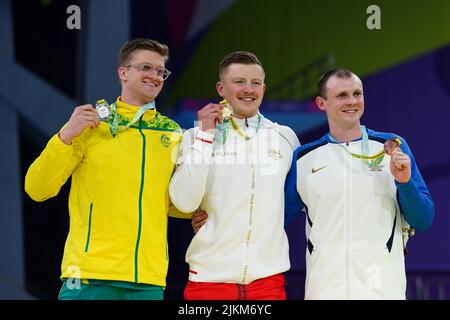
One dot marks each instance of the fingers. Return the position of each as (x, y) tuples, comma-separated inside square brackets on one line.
[(400, 159), (91, 117), (86, 116), (209, 115), (401, 167), (85, 107), (394, 151), (198, 220), (210, 111), (199, 216), (82, 117)]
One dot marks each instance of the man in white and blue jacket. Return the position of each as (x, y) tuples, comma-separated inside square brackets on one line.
[(359, 200)]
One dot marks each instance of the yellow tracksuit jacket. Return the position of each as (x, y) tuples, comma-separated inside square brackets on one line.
[(118, 202)]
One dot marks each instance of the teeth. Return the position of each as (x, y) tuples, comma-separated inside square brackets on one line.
[(246, 99)]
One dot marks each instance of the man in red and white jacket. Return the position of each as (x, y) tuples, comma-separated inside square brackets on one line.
[(235, 170)]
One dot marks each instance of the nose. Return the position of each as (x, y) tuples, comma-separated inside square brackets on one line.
[(352, 100), (153, 72), (248, 87)]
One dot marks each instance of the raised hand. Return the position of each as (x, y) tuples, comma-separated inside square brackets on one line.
[(400, 166), (208, 116), (82, 117)]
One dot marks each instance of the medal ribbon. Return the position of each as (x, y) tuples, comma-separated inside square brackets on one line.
[(364, 149), (236, 127), (114, 126)]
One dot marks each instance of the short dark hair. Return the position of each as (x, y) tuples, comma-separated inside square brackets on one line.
[(130, 47), (243, 57), (322, 83)]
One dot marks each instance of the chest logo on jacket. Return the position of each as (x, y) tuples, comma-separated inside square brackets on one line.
[(165, 140), (274, 154), (315, 170)]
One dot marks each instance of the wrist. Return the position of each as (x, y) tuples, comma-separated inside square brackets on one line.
[(63, 137), (207, 126), (204, 136)]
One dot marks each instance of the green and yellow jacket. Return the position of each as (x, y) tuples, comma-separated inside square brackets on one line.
[(118, 202)]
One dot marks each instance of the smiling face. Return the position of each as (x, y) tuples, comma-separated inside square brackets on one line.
[(140, 87), (242, 85), (343, 102)]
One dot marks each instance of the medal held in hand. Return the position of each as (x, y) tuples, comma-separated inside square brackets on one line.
[(388, 148), (103, 109), (390, 145), (227, 112)]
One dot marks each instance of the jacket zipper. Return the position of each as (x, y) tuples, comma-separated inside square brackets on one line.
[(250, 217), (89, 228), (136, 251), (347, 227)]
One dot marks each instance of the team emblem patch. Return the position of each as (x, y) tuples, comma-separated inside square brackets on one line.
[(165, 140), (274, 154)]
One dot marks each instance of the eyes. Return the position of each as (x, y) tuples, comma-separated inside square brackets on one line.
[(161, 72), (146, 67), (345, 95), (253, 83)]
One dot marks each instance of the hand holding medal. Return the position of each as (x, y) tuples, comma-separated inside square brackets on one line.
[(400, 162), (82, 117), (209, 115)]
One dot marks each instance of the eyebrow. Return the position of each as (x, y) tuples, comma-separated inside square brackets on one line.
[(345, 92), (152, 64), (243, 78)]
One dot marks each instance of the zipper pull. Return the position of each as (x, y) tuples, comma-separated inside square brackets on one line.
[(246, 122)]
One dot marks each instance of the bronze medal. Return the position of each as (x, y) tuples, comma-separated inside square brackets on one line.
[(390, 145)]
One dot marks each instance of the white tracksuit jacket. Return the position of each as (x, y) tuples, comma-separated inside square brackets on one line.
[(240, 184), (354, 218)]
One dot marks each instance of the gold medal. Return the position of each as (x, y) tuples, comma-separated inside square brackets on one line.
[(227, 111)]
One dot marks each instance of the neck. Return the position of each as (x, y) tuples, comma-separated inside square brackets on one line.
[(346, 134), (134, 101), (242, 116)]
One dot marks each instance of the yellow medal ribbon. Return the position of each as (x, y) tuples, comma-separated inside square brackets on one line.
[(236, 128), (363, 157)]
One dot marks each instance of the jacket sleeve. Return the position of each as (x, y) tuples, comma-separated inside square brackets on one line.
[(175, 213), (188, 184), (293, 203), (48, 173), (290, 136), (414, 198)]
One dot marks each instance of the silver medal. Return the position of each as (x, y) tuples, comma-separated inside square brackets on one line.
[(103, 109)]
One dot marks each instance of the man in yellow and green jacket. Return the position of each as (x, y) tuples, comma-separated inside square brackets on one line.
[(120, 159)]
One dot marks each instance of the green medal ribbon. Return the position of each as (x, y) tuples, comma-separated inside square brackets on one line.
[(373, 162), (114, 125), (229, 119)]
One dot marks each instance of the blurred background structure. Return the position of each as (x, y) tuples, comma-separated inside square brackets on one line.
[(49, 69)]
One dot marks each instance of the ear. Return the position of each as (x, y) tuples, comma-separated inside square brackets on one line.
[(220, 90), (122, 72), (320, 102), (264, 87)]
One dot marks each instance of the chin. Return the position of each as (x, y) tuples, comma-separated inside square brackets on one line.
[(149, 97)]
